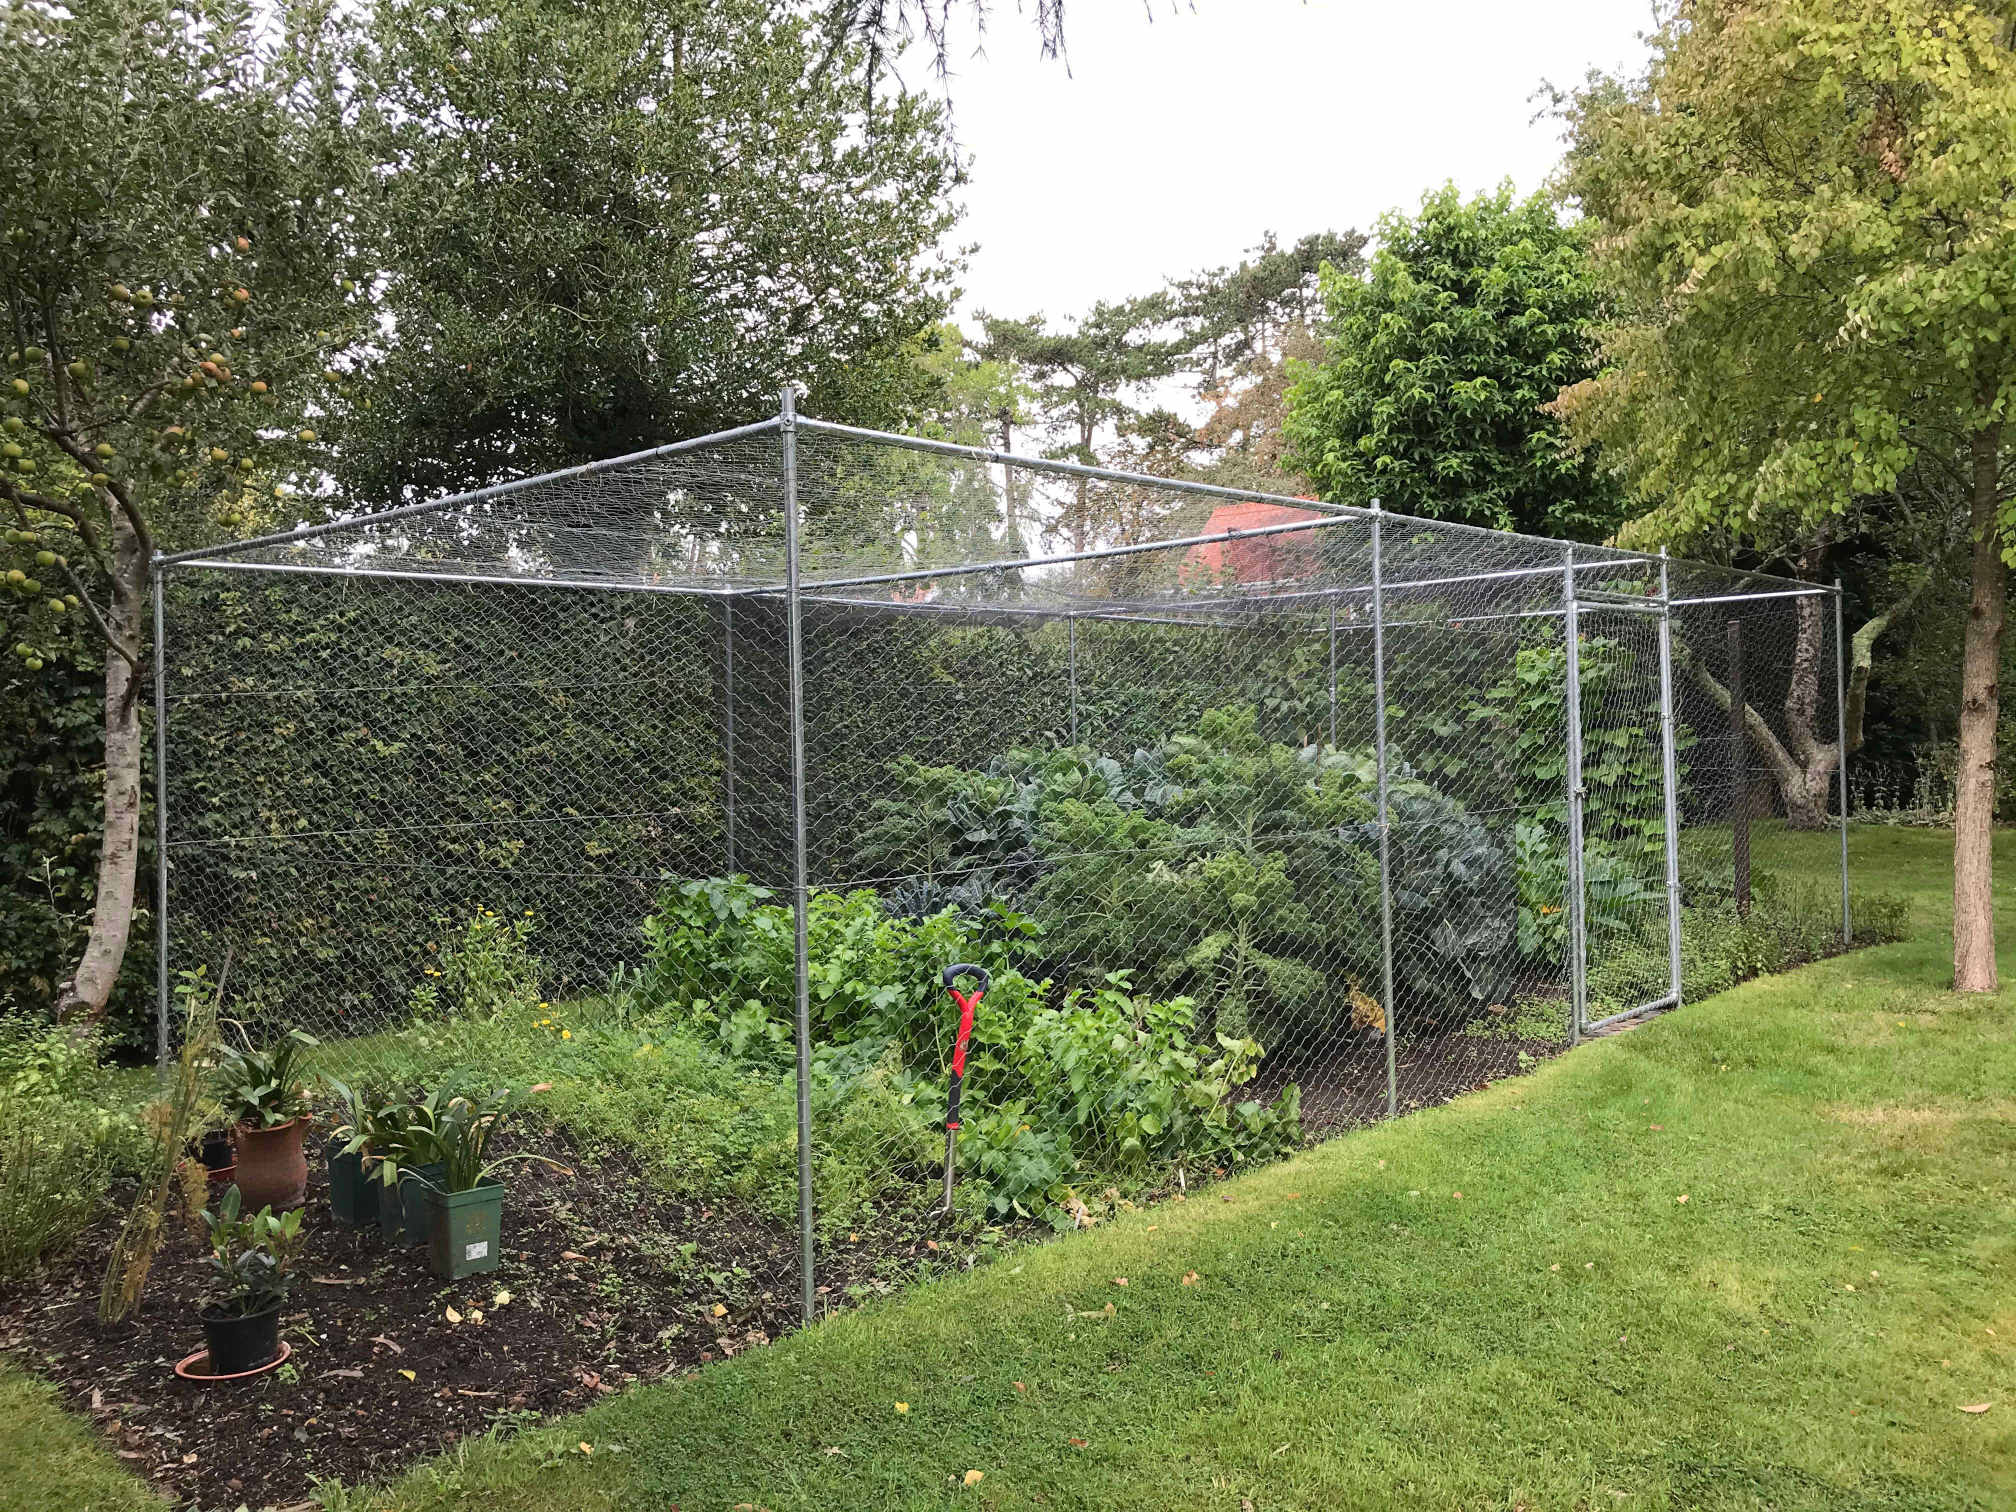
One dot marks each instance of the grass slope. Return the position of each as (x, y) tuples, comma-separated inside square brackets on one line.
[(52, 1462), (1800, 1332)]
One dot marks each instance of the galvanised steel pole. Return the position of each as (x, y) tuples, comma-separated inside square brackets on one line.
[(1385, 829), (1669, 756), (1841, 735), (1072, 660), (1333, 652), (787, 425), (728, 727), (1578, 974), (161, 1027)]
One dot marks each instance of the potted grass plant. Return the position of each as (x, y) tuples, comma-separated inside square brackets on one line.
[(264, 1098), (353, 1194), (395, 1132), (252, 1259), (464, 1202)]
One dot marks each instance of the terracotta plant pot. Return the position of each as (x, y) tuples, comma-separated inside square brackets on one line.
[(272, 1170)]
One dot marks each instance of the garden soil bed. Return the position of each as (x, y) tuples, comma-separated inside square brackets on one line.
[(1349, 1088), (605, 1282)]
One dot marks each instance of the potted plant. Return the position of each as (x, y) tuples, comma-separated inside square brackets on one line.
[(263, 1096), (252, 1257), (464, 1203), (353, 1193), (398, 1161)]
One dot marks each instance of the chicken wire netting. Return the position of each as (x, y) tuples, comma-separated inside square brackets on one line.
[(522, 788)]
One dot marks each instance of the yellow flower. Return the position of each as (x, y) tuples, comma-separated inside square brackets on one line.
[(566, 1034), (528, 913)]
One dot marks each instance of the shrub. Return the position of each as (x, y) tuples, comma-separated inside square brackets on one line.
[(64, 1134), (53, 1175)]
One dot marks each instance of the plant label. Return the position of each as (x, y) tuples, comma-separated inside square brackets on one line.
[(476, 1251)]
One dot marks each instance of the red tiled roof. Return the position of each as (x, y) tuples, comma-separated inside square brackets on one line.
[(1255, 559)]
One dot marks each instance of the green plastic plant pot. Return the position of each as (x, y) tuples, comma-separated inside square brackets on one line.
[(353, 1194), (464, 1230), (391, 1212), (414, 1185)]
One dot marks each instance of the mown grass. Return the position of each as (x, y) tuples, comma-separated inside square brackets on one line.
[(1800, 1332), (1501, 1303)]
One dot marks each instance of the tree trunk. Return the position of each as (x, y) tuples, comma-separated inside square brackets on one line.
[(1980, 658), (89, 991)]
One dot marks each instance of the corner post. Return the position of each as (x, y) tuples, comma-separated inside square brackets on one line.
[(1669, 757), (1390, 1009), (162, 1028), (1841, 735), (787, 426), (1578, 942)]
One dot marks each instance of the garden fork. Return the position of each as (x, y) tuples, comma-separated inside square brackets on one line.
[(967, 1003)]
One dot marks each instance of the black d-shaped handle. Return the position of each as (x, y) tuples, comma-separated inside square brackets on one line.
[(953, 973)]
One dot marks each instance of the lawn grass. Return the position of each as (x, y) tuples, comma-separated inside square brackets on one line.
[(1800, 1332), (52, 1462)]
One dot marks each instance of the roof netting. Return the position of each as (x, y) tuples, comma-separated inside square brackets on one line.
[(902, 524)]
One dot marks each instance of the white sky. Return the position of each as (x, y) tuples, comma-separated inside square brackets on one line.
[(1172, 145)]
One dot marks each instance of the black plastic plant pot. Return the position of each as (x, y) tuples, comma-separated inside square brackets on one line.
[(215, 1151), (464, 1230), (414, 1185), (238, 1345), (353, 1193)]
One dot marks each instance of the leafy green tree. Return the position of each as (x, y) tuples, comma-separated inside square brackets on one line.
[(1802, 211), (181, 211), (618, 224), (1089, 378), (1436, 366)]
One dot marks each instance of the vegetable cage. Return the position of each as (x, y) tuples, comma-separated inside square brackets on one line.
[(1266, 817)]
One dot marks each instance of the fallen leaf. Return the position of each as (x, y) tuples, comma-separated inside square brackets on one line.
[(931, 1244), (571, 1255), (1020, 1387), (390, 1344), (1977, 1407), (720, 1311), (1189, 1278), (475, 1315), (973, 1477), (408, 1374), (1459, 1194), (337, 1280), (1681, 1198), (1076, 1443), (902, 1406), (502, 1299), (585, 1447), (452, 1316), (540, 1087), (352, 1374), (1119, 1280)]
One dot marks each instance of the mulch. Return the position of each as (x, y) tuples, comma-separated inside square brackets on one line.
[(603, 1282)]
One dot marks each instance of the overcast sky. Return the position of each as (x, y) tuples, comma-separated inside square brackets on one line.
[(1171, 145)]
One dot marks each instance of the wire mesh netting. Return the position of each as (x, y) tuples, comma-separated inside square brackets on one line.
[(546, 785)]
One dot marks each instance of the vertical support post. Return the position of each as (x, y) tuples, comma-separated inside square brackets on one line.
[(1739, 747), (1670, 761), (1333, 642), (1072, 662), (1841, 735), (161, 1024), (1578, 939), (728, 729), (1390, 1009), (787, 421)]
